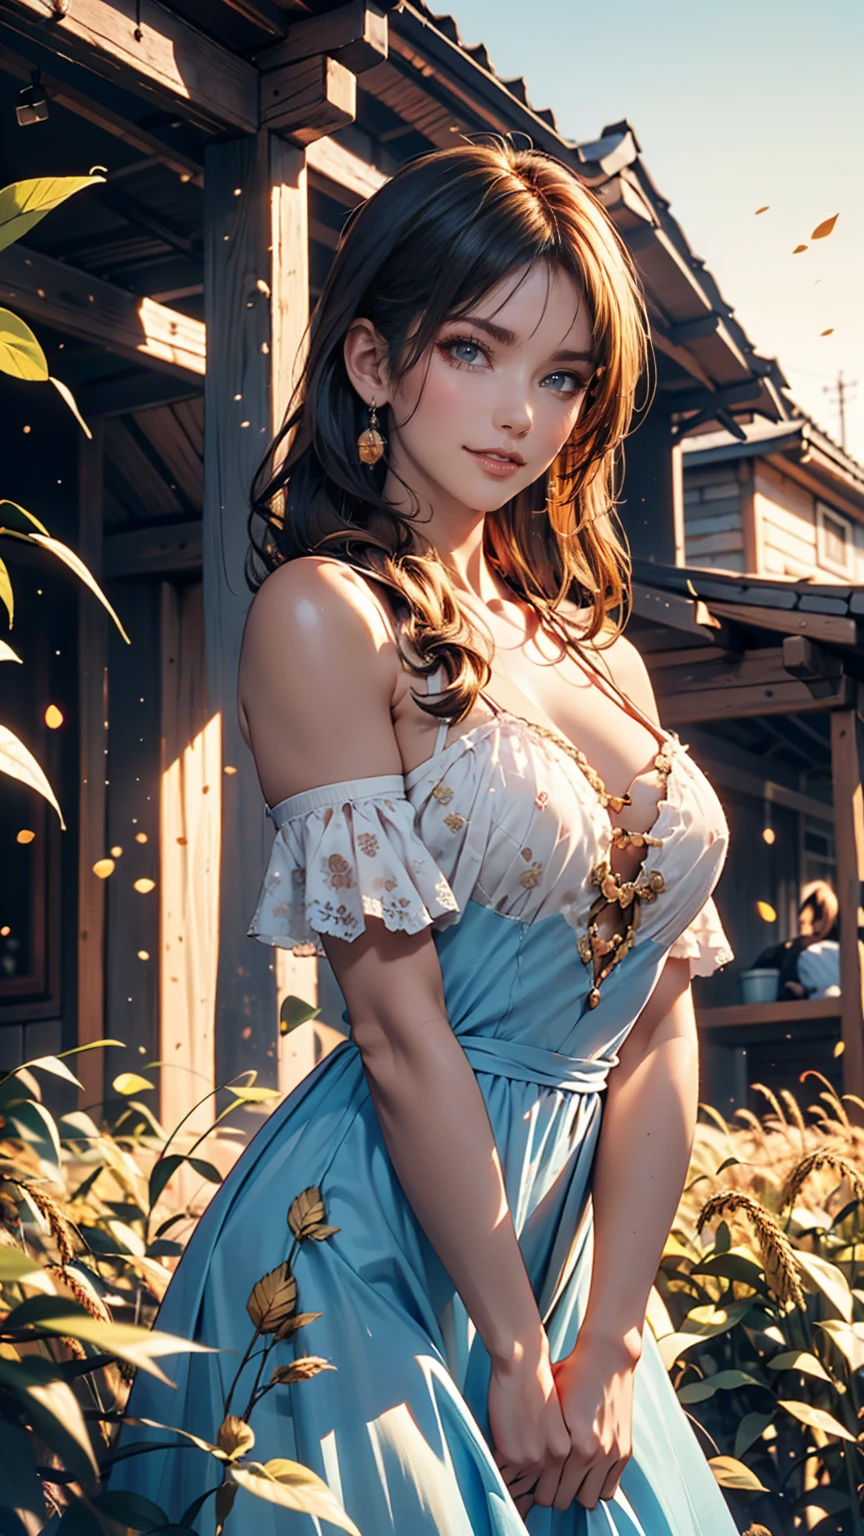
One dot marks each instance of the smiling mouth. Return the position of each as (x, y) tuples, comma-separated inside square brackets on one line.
[(497, 455)]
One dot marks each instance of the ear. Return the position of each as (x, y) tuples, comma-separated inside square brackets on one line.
[(365, 356)]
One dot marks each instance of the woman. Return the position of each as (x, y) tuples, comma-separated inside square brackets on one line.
[(513, 918), (809, 964)]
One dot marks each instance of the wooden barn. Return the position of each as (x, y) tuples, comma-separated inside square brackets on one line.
[(236, 135)]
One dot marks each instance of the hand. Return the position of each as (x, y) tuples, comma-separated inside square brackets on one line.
[(595, 1389), (529, 1436)]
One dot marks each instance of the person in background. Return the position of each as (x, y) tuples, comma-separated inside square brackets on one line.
[(809, 964)]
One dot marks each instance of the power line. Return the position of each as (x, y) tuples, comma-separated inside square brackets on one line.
[(841, 391)]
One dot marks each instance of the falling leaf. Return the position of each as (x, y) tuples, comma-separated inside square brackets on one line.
[(763, 210), (103, 868), (829, 332), (799, 248), (144, 886), (53, 717), (143, 954), (691, 589), (839, 1048), (769, 836), (766, 911), (824, 229), (229, 770), (24, 836), (116, 851), (140, 837)]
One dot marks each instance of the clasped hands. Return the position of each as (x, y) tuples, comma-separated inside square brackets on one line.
[(563, 1431)]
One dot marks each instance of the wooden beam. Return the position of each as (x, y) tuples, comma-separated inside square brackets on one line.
[(354, 34), (751, 527), (253, 352), (831, 629), (94, 112), (305, 101), (732, 688), (81, 305), (737, 1015), (847, 754), (150, 50), (340, 173), (152, 551), (92, 798)]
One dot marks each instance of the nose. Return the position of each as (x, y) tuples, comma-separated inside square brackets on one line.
[(513, 412)]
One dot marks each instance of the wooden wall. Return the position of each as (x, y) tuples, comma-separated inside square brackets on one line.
[(712, 517)]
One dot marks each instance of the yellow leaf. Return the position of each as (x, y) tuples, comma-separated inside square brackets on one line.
[(273, 1300), (816, 1418), (733, 1474), (24, 203), (69, 557), (24, 836), (839, 1048), (766, 911), (103, 868), (66, 394), (144, 886), (24, 513), (302, 1369), (6, 593), (306, 1211), (799, 248), (53, 717), (130, 1082), (293, 1486), (20, 352), (19, 763), (7, 653), (235, 1436), (765, 209), (824, 229)]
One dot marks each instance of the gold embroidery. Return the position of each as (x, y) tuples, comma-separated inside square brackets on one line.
[(454, 821), (339, 872), (443, 794), (367, 842)]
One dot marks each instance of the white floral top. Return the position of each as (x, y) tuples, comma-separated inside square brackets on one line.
[(502, 817)]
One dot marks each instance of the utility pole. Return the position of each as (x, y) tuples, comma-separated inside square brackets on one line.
[(841, 391)]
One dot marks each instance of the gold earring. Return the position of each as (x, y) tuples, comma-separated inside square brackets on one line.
[(370, 444)]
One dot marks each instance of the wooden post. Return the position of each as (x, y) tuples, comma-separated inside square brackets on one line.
[(846, 766), (92, 738), (750, 528), (648, 508), (257, 308)]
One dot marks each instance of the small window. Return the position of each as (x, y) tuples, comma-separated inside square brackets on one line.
[(834, 540)]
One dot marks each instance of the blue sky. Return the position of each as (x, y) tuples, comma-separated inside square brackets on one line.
[(734, 107)]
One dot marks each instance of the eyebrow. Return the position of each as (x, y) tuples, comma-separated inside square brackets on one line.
[(507, 338)]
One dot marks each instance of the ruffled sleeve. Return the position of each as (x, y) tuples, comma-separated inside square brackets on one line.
[(703, 943), (342, 853)]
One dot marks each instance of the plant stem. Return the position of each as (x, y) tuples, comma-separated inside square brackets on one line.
[(240, 1369)]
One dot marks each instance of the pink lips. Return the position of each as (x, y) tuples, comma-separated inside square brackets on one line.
[(501, 468)]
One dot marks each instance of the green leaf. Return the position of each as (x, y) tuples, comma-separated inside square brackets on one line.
[(295, 1011), (77, 1126), (24, 203), (19, 763), (15, 1265), (53, 1411), (140, 1346), (255, 1095), (292, 1486), (130, 1082), (205, 1170), (733, 1266), (20, 353), (20, 1487), (28, 517), (733, 1474), (76, 564), (163, 1169), (799, 1360), (700, 1324), (849, 1339), (721, 1381), (131, 1510), (815, 1418), (750, 1429)]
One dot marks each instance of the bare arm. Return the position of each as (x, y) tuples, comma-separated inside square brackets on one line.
[(432, 1114)]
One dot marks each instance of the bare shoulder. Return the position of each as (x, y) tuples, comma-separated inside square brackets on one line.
[(629, 673), (315, 679)]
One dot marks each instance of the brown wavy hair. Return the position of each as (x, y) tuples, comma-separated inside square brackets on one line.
[(426, 247)]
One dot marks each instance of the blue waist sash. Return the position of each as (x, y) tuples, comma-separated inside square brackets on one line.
[(535, 1064)]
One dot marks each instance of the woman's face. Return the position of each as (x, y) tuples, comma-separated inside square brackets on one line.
[(485, 411)]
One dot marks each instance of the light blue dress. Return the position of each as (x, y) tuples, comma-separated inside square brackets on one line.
[(500, 842)]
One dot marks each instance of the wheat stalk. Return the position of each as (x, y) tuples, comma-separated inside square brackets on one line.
[(794, 1109), (768, 1093), (61, 1227), (775, 1249), (823, 1157), (86, 1299)]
